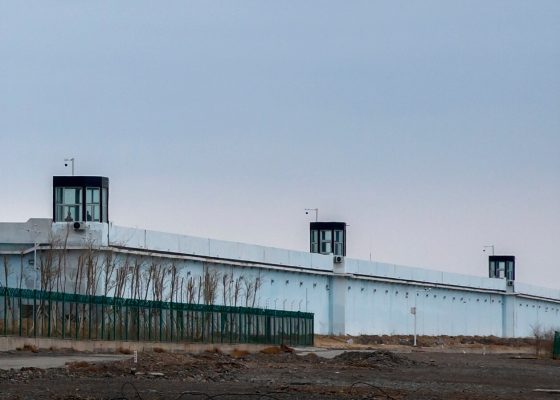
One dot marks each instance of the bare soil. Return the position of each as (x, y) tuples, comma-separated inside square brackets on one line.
[(279, 373)]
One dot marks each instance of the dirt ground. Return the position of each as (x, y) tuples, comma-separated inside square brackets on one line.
[(481, 371)]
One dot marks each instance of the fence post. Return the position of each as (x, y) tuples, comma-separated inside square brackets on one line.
[(150, 323), (160, 322), (5, 312), (63, 317), (19, 302), (50, 312), (103, 320), (77, 303), (35, 313), (114, 320), (556, 345), (89, 317), (212, 325), (282, 329), (138, 324)]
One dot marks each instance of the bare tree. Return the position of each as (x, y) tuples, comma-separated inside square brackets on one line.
[(256, 287), (121, 278), (251, 287), (59, 245), (21, 270), (226, 287), (236, 290), (135, 281), (91, 268), (109, 266), (248, 290), (174, 283), (210, 285), (158, 281), (191, 289), (6, 270)]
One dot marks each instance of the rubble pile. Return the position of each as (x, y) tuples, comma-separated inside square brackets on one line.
[(375, 359)]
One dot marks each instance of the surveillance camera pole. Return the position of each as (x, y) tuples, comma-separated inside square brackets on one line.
[(36, 232), (72, 161), (316, 210)]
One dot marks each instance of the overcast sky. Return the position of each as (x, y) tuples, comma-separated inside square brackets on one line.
[(431, 127)]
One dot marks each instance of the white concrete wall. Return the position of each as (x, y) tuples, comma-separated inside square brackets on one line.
[(354, 297), (529, 315), (536, 291), (160, 241), (391, 271), (26, 233), (385, 308)]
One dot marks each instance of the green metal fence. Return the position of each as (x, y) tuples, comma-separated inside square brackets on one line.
[(556, 345), (33, 313)]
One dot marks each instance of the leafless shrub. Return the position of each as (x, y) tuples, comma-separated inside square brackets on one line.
[(544, 339)]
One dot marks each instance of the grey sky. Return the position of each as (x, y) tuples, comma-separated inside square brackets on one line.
[(431, 127)]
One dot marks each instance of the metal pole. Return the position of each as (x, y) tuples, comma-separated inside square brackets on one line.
[(316, 210), (415, 304), (35, 266), (72, 162), (491, 246)]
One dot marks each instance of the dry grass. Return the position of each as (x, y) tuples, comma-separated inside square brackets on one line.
[(239, 353), (28, 347), (158, 350), (124, 350), (215, 350), (277, 349)]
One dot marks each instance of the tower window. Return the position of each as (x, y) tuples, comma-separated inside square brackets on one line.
[(509, 270), (314, 241), (93, 209), (326, 242), (338, 243), (105, 205), (68, 204)]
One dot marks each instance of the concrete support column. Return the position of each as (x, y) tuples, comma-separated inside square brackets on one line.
[(338, 300), (508, 315)]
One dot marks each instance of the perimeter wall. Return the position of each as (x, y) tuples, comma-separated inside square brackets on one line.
[(353, 297)]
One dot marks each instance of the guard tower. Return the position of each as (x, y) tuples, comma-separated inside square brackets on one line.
[(502, 267), (328, 238), (80, 199)]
